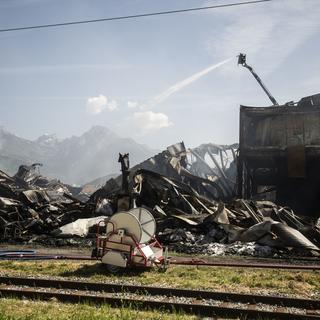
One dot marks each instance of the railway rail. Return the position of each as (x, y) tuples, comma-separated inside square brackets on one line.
[(200, 302)]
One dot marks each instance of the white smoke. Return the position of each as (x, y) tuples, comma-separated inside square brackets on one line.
[(132, 104), (180, 85)]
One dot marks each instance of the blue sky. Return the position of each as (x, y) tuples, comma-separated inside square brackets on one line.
[(65, 80)]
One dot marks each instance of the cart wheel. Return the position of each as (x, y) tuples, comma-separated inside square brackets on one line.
[(163, 268), (113, 269)]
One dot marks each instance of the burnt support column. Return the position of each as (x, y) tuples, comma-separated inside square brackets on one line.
[(124, 160)]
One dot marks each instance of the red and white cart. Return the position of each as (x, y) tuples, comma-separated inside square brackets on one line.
[(128, 240)]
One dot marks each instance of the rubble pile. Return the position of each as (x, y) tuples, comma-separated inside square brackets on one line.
[(190, 192), (189, 222), (31, 204), (195, 206), (185, 241)]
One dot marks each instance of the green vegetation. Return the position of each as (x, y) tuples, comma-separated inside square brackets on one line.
[(38, 310), (301, 283)]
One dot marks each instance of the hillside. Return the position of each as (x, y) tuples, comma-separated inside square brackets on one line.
[(74, 160)]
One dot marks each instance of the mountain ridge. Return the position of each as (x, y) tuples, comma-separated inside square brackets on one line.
[(73, 160)]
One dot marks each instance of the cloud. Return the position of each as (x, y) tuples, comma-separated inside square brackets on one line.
[(112, 105), (268, 32), (96, 105), (148, 120), (132, 104)]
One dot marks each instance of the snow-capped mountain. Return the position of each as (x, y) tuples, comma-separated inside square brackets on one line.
[(74, 160)]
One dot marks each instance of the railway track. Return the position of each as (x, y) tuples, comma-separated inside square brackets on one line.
[(199, 302)]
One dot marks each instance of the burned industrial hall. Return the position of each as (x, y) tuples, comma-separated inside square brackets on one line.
[(159, 160)]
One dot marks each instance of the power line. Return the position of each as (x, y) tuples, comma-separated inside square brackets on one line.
[(142, 15)]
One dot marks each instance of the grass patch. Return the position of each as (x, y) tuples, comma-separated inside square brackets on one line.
[(39, 310), (302, 283)]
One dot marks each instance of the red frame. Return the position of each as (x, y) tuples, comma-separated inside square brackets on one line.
[(102, 243)]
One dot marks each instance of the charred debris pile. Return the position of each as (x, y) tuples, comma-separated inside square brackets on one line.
[(190, 192)]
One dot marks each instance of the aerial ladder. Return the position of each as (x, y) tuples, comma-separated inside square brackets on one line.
[(242, 61)]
